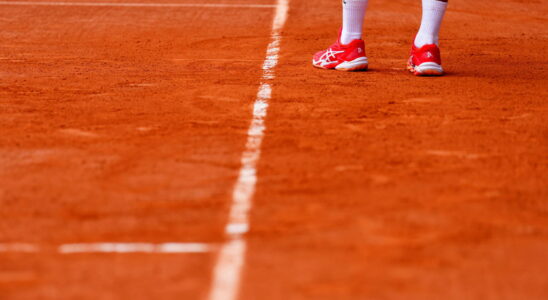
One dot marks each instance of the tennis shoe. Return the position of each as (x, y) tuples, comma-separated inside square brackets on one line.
[(350, 57), (425, 61)]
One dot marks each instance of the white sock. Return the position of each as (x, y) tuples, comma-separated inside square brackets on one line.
[(353, 14), (432, 15)]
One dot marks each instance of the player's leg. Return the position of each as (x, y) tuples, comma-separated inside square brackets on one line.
[(348, 53), (432, 16), (425, 54), (352, 23)]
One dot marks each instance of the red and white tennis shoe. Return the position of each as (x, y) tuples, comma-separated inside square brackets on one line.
[(350, 57), (425, 61)]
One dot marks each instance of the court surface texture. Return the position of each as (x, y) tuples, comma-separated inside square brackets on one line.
[(187, 149)]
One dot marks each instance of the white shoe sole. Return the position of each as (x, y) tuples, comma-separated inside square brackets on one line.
[(358, 64), (427, 69)]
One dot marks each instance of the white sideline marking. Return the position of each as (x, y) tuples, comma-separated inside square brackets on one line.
[(214, 59), (134, 248), (230, 261), (18, 247), (112, 248), (113, 4)]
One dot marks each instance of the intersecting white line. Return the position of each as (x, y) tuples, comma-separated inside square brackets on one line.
[(110, 247), (231, 257), (18, 248), (115, 4), (134, 248)]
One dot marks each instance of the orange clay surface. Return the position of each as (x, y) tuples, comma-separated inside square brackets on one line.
[(128, 124)]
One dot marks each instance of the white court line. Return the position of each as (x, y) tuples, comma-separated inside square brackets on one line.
[(114, 4), (18, 247), (215, 59), (230, 260), (112, 248), (135, 248)]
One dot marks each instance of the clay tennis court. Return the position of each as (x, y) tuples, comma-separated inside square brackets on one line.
[(188, 150)]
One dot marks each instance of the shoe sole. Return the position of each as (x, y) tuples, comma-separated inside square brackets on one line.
[(426, 69), (358, 64)]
